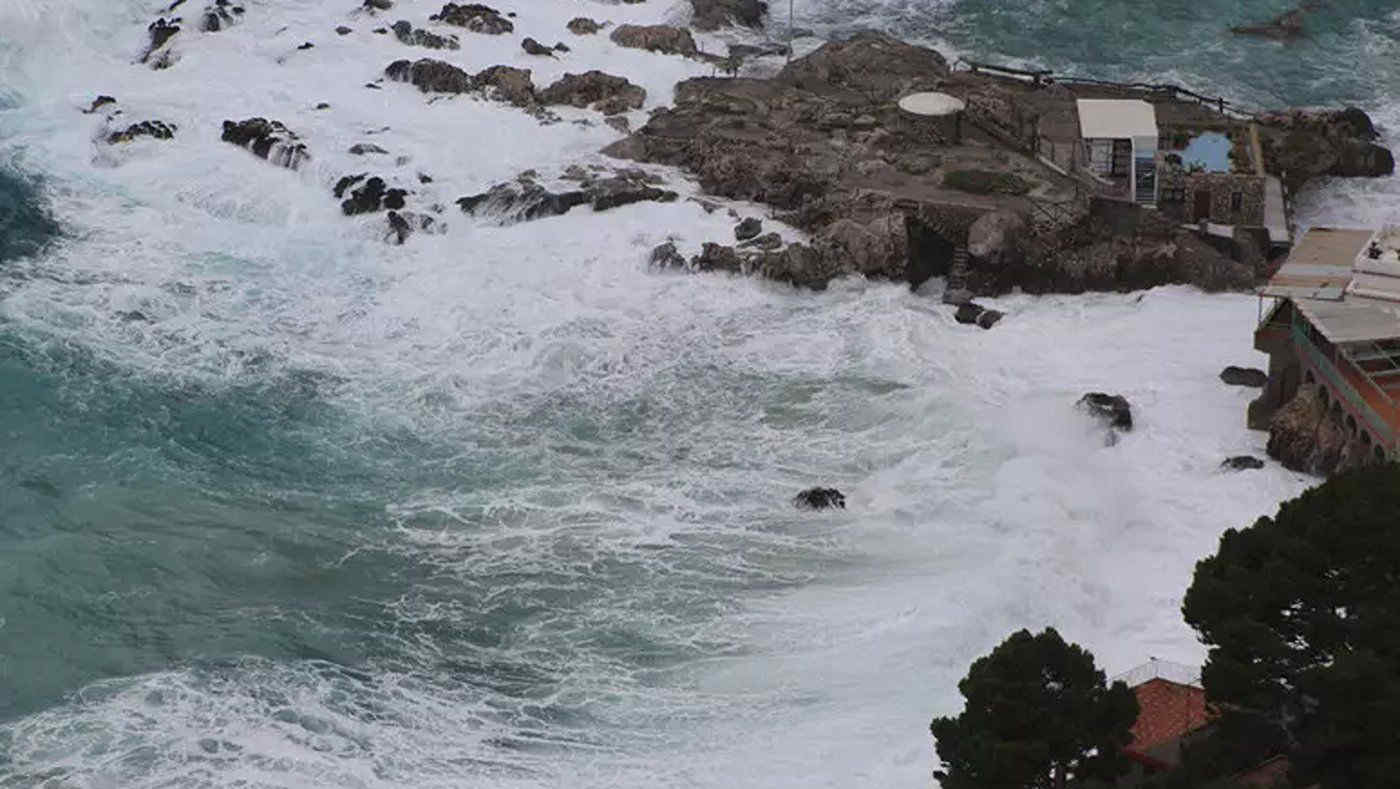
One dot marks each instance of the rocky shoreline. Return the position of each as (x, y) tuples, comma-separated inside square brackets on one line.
[(822, 144)]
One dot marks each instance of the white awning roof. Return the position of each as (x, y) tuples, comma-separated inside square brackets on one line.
[(1116, 119)]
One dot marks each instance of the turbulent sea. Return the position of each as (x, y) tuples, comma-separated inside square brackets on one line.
[(283, 505)]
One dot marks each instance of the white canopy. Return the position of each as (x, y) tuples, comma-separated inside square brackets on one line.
[(1117, 119)]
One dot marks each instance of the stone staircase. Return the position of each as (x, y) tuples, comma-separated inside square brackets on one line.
[(956, 290)]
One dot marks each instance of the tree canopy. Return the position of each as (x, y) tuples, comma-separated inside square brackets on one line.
[(1038, 713), (1301, 613)]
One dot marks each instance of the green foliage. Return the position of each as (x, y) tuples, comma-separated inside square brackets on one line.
[(1038, 714), (1302, 616), (984, 182)]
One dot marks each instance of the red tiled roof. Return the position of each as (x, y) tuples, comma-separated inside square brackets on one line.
[(1168, 710)]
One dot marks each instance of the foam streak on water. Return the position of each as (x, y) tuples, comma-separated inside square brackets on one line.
[(285, 506)]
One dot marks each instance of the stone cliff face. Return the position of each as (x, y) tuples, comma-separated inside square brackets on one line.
[(1305, 436)]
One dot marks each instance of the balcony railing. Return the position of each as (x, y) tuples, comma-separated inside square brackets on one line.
[(1340, 383)]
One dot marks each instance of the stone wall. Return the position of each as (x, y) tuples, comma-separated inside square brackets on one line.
[(1177, 189)]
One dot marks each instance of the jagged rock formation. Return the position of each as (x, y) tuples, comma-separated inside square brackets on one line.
[(533, 47), (267, 139), (656, 38), (524, 198), (374, 195), (714, 14), (604, 92), (219, 15), (406, 33), (583, 26), (98, 103), (1303, 144), (1305, 435), (975, 314), (155, 129), (510, 84), (474, 17)]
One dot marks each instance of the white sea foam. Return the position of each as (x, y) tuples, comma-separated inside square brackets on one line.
[(657, 424)]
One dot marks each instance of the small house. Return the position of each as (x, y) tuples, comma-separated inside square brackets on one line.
[(1120, 147)]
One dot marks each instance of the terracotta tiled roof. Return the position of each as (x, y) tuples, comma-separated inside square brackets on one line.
[(1168, 710)]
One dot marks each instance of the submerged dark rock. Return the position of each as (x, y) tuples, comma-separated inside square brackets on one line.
[(533, 47), (819, 499), (666, 256), (267, 139), (99, 102), (373, 196), (749, 227), (583, 26), (975, 314), (1244, 376), (1113, 410), (1242, 463)]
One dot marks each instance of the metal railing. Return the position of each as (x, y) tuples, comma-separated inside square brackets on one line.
[(1326, 368), (1155, 668)]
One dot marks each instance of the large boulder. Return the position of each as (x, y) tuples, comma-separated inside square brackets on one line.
[(474, 17), (1302, 144), (507, 83), (996, 251), (656, 38), (1304, 437), (1244, 376), (583, 26), (714, 14), (975, 314), (267, 139), (878, 248), (605, 92)]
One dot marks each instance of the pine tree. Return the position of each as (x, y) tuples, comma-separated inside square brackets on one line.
[(1302, 616), (1038, 713)]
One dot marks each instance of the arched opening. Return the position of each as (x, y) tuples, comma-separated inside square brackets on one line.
[(1308, 378), (1366, 439), (1380, 454), (1351, 424)]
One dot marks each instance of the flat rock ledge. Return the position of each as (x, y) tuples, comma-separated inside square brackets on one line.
[(526, 199), (269, 140)]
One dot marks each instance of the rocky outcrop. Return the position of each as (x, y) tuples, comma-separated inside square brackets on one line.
[(154, 129), (160, 32), (819, 499), (407, 34), (1244, 376), (1303, 144), (656, 38), (372, 195), (714, 14), (604, 92), (525, 198), (98, 103), (666, 256), (267, 139), (996, 251), (219, 15), (583, 26), (474, 17), (533, 47), (507, 83), (1304, 437)]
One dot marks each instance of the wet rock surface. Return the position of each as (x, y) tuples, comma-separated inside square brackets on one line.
[(418, 37), (1304, 144), (474, 17), (977, 315), (583, 26), (656, 38), (525, 198), (710, 15), (506, 83), (267, 139), (1113, 411), (1241, 463), (605, 92), (819, 499), (1244, 376), (533, 47), (157, 130), (749, 228)]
